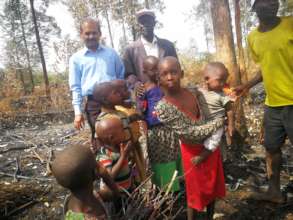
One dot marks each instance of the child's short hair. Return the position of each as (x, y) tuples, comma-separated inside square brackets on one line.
[(102, 90), (218, 65), (150, 59), (74, 167), (108, 124)]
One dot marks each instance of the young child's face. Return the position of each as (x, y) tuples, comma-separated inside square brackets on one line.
[(215, 81), (115, 97), (124, 92), (151, 70), (170, 75), (114, 137)]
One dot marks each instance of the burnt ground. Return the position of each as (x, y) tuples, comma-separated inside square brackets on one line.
[(28, 191)]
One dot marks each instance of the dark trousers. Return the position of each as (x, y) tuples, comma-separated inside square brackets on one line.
[(92, 110)]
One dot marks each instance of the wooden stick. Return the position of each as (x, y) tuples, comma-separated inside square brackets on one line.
[(14, 148), (25, 177), (22, 207), (38, 156), (17, 169), (172, 181), (48, 167)]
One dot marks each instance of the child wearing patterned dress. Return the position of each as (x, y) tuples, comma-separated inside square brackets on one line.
[(179, 111)]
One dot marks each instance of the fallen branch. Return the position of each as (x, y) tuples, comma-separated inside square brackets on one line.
[(14, 148), (37, 155), (21, 207), (48, 166), (17, 170), (29, 203), (25, 177), (6, 164)]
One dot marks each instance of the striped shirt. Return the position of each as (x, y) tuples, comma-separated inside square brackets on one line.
[(108, 159)]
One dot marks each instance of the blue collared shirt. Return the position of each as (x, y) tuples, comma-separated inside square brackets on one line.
[(86, 68)]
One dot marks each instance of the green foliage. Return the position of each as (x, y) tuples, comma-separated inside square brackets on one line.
[(20, 50), (14, 11), (121, 11), (201, 13)]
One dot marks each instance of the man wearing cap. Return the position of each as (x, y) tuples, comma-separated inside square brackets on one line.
[(93, 64), (271, 46), (148, 44)]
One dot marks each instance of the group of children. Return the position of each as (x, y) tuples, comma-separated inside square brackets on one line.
[(176, 118)]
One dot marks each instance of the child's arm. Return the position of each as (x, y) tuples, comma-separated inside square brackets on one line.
[(124, 151), (193, 131), (108, 180), (230, 117)]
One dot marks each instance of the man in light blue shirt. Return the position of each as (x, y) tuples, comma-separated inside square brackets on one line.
[(93, 64)]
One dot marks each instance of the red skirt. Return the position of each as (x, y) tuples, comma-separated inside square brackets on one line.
[(204, 182)]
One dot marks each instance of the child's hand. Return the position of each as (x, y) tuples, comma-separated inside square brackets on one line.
[(139, 90), (196, 160), (125, 149)]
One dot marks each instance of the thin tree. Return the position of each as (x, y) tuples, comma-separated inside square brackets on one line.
[(106, 14), (223, 35), (39, 43), (225, 52), (25, 45), (240, 49), (147, 4)]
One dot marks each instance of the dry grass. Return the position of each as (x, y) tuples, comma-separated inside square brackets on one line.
[(36, 102)]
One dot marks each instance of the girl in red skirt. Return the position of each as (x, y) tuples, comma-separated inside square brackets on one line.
[(179, 111)]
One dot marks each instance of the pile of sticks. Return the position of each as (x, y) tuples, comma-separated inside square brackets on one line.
[(152, 203)]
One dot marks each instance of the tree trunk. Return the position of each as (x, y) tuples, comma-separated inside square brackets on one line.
[(147, 4), (124, 31), (225, 52), (45, 73), (133, 29), (16, 60), (206, 34), (240, 50), (109, 27), (26, 49)]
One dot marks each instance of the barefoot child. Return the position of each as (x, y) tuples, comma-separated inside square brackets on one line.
[(75, 168), (179, 111), (215, 104)]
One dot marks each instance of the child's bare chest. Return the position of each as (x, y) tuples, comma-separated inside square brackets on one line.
[(187, 103)]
